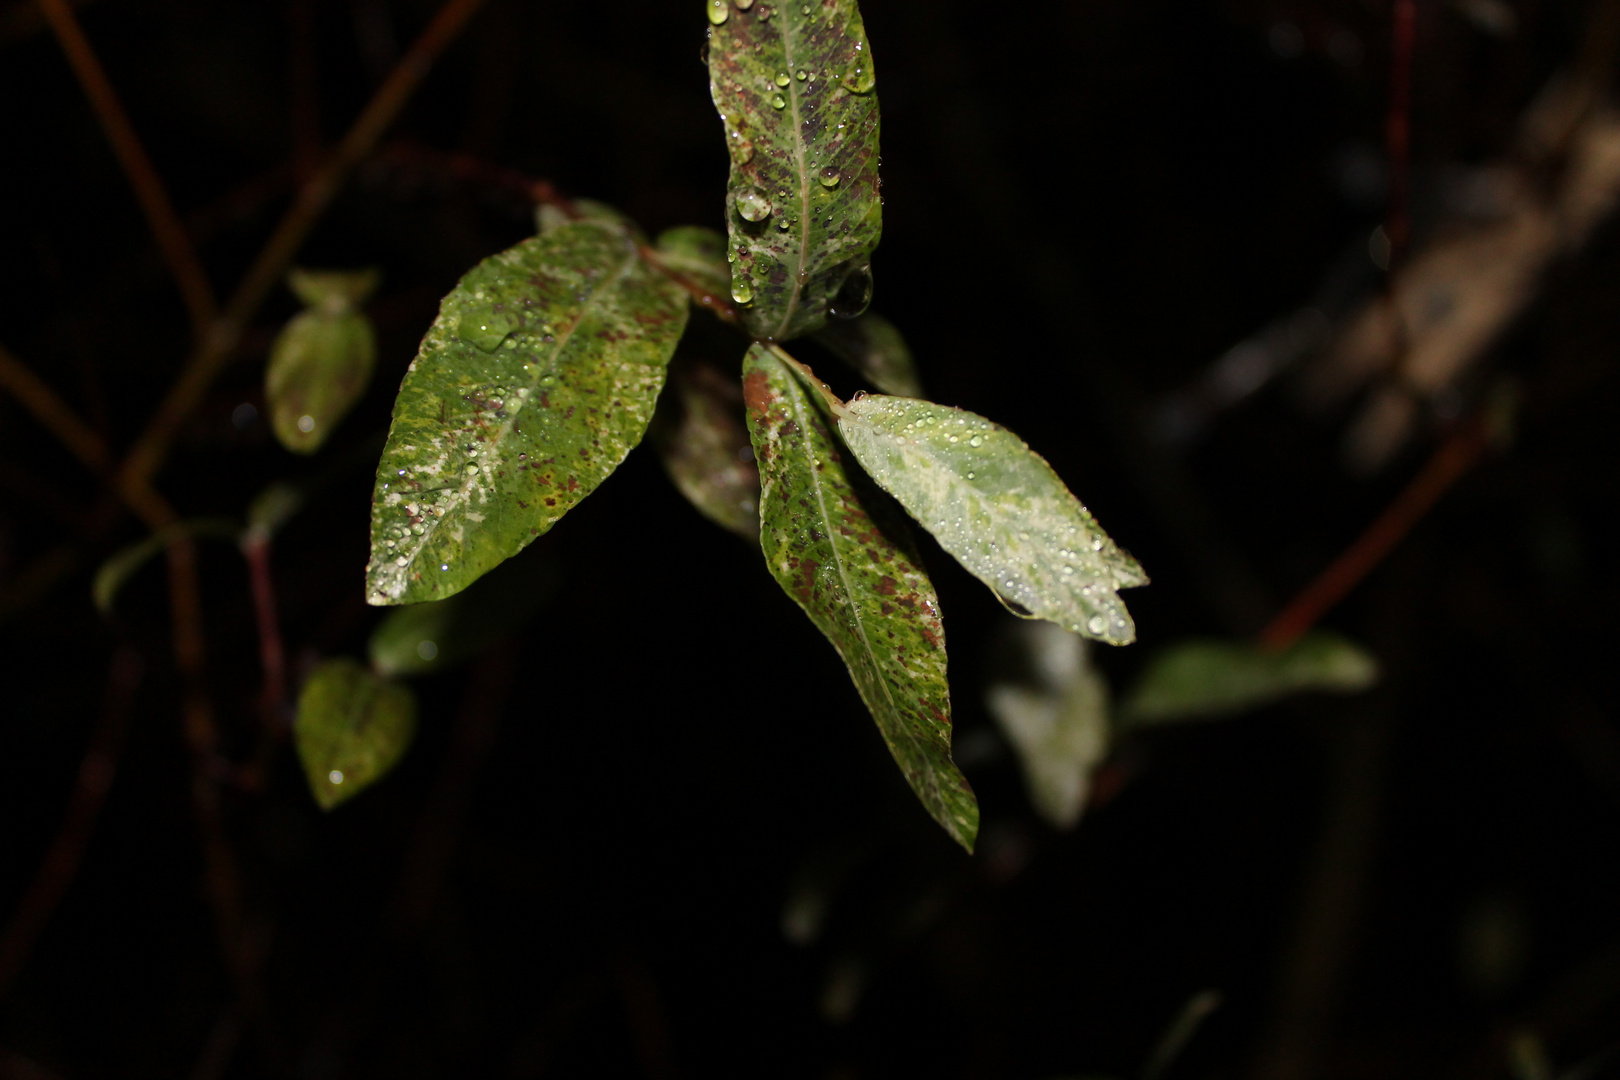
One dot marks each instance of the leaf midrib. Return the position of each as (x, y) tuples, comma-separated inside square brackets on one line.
[(794, 284), (458, 500)]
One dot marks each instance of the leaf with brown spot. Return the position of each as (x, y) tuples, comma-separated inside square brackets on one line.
[(838, 547)]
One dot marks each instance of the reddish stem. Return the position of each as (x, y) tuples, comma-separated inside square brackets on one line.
[(272, 654)]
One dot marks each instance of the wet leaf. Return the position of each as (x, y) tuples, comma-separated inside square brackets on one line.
[(1207, 678), (999, 508), (872, 345), (697, 254), (844, 555), (321, 362), (794, 87), (420, 639), (1056, 720), (703, 442), (548, 218), (353, 726), (538, 377)]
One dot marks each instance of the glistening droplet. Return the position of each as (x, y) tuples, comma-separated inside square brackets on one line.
[(719, 11), (742, 290), (752, 205), (854, 294), (1096, 624), (859, 78), (744, 5), (830, 177), (778, 102), (782, 78)]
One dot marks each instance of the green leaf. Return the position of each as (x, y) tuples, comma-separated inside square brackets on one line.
[(549, 218), (333, 291), (320, 365), (697, 254), (793, 85), (999, 508), (1056, 720), (420, 639), (845, 556), (700, 435), (538, 377), (353, 726), (113, 574), (872, 345), (1206, 678)]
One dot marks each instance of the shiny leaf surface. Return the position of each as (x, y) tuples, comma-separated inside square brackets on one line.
[(538, 377), (353, 726), (844, 555), (999, 508), (873, 346), (794, 87)]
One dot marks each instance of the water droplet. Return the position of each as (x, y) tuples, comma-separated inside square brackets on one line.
[(830, 177), (719, 11), (335, 776), (401, 561), (1096, 543), (976, 441), (783, 224), (970, 476), (1068, 570), (854, 294), (744, 5), (472, 468), (778, 102), (484, 329), (800, 75), (782, 78), (444, 566), (742, 148), (306, 424), (954, 439), (752, 205), (859, 79), (742, 290), (1096, 624)]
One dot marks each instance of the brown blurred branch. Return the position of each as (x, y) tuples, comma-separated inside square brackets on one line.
[(171, 236), (147, 454), (62, 859)]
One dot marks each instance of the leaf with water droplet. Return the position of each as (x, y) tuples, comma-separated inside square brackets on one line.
[(321, 362), (998, 507), (838, 547), (800, 130), (873, 346), (491, 444), (1054, 713), (697, 254), (420, 639), (1207, 678), (353, 726), (700, 435)]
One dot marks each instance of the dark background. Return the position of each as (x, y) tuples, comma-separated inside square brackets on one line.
[(1086, 203)]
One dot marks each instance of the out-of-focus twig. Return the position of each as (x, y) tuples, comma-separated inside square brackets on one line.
[(1398, 133), (171, 236)]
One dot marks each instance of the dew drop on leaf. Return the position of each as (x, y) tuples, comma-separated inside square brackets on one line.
[(744, 5), (854, 295), (799, 75), (742, 290), (752, 205), (859, 79), (778, 102), (782, 78), (719, 11), (830, 177)]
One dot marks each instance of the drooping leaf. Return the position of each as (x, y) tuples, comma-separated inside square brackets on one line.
[(113, 574), (321, 362), (794, 87), (872, 345), (999, 508), (538, 377), (700, 435), (844, 555), (420, 639), (352, 728), (1056, 719), (1207, 678), (697, 254)]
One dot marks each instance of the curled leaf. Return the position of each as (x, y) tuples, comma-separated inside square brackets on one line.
[(352, 728), (700, 436), (998, 507)]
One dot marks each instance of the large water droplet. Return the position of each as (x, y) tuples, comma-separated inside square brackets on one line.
[(752, 205), (859, 78), (800, 75), (782, 78), (976, 441), (830, 177), (778, 102), (1096, 624), (742, 290), (854, 294), (484, 329), (742, 148), (719, 11), (744, 5)]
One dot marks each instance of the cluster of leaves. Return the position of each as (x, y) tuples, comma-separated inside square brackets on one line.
[(545, 366)]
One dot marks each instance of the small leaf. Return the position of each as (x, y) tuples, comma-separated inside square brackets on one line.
[(320, 365), (999, 508), (793, 85), (697, 254), (700, 435), (114, 574), (333, 291), (548, 218), (1057, 721), (352, 728), (845, 557), (538, 377), (420, 639), (872, 345), (1206, 678)]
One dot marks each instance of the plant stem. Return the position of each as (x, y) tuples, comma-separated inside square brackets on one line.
[(171, 236), (834, 402), (1399, 130)]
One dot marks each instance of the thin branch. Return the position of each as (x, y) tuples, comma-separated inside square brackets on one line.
[(1454, 458), (52, 412), (153, 445), (66, 852), (171, 236), (272, 654), (1399, 130)]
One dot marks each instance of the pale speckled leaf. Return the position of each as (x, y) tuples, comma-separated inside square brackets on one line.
[(420, 639), (697, 254), (538, 377), (353, 726), (794, 87), (1206, 678), (320, 365), (999, 508), (845, 557), (1056, 719), (874, 347), (700, 435)]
